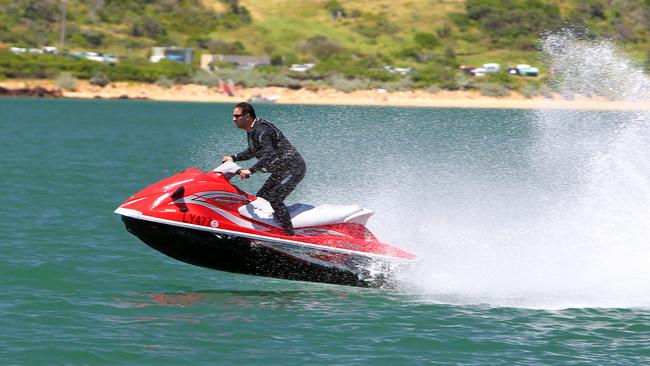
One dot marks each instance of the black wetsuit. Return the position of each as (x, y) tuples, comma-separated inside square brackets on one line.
[(277, 156)]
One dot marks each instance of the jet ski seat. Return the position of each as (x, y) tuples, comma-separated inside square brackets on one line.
[(304, 215)]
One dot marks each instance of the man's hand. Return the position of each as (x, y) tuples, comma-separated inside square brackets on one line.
[(227, 159), (244, 173)]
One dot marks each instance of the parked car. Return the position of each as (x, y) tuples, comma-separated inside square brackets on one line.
[(301, 67), (111, 59), (479, 71), (523, 70), (94, 56), (398, 70), (18, 49), (492, 68)]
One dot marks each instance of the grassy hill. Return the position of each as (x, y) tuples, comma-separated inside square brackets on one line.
[(351, 39)]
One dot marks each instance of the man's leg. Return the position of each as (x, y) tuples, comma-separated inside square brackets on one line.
[(276, 189)]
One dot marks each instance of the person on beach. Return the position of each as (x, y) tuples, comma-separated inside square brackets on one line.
[(275, 154)]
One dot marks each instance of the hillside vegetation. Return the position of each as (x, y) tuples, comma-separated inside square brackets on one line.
[(350, 41)]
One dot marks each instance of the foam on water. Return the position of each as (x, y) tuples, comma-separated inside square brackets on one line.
[(574, 234)]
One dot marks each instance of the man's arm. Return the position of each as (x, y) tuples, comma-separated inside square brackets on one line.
[(267, 151), (244, 155)]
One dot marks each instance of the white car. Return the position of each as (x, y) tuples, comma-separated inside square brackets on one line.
[(301, 67), (492, 68), (94, 56), (111, 59)]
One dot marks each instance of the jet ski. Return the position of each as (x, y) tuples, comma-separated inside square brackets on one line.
[(201, 218)]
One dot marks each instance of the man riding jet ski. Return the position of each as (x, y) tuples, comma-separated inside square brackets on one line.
[(202, 219), (275, 155)]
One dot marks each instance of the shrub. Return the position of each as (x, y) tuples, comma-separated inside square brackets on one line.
[(206, 79), (164, 82), (94, 38), (433, 88), (277, 60), (402, 84), (460, 19), (217, 46), (248, 78), (493, 90), (335, 8), (347, 85), (100, 79), (281, 81), (320, 47), (529, 91), (147, 26), (314, 84), (464, 82), (66, 81), (444, 31), (513, 19), (426, 41), (435, 74)]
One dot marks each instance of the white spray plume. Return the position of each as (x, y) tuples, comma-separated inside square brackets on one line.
[(576, 233)]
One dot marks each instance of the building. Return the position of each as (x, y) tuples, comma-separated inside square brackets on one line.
[(241, 61), (184, 55)]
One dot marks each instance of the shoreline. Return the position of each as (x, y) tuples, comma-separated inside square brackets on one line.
[(416, 98)]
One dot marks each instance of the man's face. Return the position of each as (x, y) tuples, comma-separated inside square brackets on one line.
[(241, 120)]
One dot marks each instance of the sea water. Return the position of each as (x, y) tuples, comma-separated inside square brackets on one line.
[(531, 229)]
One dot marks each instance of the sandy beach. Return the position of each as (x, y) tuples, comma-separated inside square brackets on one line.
[(417, 98)]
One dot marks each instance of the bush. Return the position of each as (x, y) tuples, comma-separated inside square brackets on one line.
[(66, 81), (426, 41), (320, 47), (505, 20), (464, 82), (314, 84), (147, 26), (99, 79), (493, 90), (217, 46), (335, 8), (281, 81), (436, 74), (94, 38), (205, 78), (433, 88), (347, 85), (164, 82), (529, 91), (403, 84)]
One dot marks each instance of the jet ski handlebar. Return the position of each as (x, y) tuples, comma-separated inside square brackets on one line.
[(228, 168)]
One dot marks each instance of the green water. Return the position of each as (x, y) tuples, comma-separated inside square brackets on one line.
[(460, 188)]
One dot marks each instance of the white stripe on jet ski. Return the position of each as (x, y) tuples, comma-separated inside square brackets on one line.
[(168, 187)]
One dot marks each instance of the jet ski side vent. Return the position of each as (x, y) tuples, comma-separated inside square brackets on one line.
[(180, 192)]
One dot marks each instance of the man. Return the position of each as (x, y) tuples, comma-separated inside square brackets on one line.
[(275, 155)]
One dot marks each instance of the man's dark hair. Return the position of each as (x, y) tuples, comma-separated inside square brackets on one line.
[(246, 108)]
